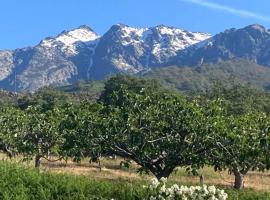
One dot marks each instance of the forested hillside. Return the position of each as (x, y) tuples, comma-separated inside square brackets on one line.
[(203, 77)]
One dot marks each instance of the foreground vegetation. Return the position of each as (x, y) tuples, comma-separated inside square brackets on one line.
[(20, 183), (226, 128), (23, 184)]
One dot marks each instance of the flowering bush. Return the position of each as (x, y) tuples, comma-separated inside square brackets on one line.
[(159, 191)]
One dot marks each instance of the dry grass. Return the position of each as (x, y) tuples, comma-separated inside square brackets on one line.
[(255, 180), (110, 169)]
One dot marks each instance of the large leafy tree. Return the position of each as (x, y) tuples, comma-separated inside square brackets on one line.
[(158, 131)]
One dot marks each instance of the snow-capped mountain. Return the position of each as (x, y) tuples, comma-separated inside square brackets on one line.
[(82, 54), (133, 50), (69, 40), (251, 43), (56, 60)]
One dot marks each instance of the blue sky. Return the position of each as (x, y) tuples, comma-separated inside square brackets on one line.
[(26, 22)]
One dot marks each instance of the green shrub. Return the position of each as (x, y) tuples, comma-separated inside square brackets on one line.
[(17, 182)]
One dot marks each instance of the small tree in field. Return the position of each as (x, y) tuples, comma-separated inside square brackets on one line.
[(159, 132), (12, 123), (244, 145), (41, 135)]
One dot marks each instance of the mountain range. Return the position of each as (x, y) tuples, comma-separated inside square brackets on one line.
[(82, 54)]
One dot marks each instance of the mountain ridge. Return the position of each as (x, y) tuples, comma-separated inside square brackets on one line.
[(81, 53), (251, 42)]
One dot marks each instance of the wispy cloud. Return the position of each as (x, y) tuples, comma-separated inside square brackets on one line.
[(228, 9)]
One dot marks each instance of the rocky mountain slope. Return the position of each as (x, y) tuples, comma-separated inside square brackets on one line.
[(82, 54), (251, 43), (133, 50), (52, 61)]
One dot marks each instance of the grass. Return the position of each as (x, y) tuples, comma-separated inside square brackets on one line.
[(68, 181), (111, 170), (20, 183)]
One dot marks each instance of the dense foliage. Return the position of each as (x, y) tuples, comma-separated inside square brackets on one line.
[(158, 131), (244, 143), (240, 99), (139, 120)]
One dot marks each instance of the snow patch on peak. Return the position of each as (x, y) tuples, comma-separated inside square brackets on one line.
[(166, 30), (81, 34), (132, 35), (69, 39), (172, 39), (127, 31), (133, 31), (159, 42)]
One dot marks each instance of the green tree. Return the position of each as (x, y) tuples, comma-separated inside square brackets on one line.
[(46, 98), (82, 127), (244, 145), (8, 98), (130, 83), (12, 123), (240, 99), (41, 136), (158, 131)]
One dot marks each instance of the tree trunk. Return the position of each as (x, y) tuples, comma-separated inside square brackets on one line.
[(162, 174), (201, 180), (37, 161), (238, 181)]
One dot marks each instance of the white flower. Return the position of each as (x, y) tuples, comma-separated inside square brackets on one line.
[(212, 189), (169, 191), (222, 195), (162, 189), (154, 183), (163, 180), (184, 198), (161, 192)]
